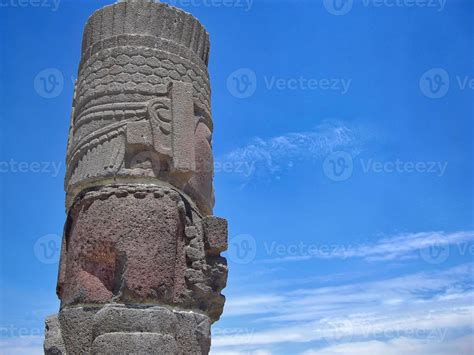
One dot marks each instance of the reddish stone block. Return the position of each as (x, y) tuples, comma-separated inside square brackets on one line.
[(215, 235)]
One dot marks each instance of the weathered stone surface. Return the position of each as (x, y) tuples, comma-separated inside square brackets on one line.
[(53, 342), (215, 234), (119, 318), (190, 330), (124, 248), (194, 333), (103, 331), (129, 244), (142, 102), (140, 270), (134, 343), (76, 328)]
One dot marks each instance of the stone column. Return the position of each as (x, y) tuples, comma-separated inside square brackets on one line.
[(140, 269)]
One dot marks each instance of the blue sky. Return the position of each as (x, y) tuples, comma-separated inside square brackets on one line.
[(343, 144)]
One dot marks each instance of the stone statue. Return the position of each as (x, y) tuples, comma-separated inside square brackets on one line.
[(140, 269)]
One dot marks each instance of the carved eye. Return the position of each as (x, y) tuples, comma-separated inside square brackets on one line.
[(159, 110)]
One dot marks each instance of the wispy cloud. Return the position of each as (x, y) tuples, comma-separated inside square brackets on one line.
[(425, 306), (462, 346), (264, 156), (22, 345), (430, 246)]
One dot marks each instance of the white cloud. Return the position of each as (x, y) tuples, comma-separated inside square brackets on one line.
[(398, 346), (251, 305), (22, 345), (243, 352), (430, 246), (425, 306), (266, 156), (420, 325)]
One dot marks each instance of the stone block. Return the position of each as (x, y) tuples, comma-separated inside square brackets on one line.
[(139, 133), (193, 333), (76, 328), (118, 318), (215, 235), (53, 343), (134, 343)]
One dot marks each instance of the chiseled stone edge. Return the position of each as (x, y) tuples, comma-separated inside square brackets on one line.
[(133, 183), (93, 327), (115, 20), (53, 342)]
